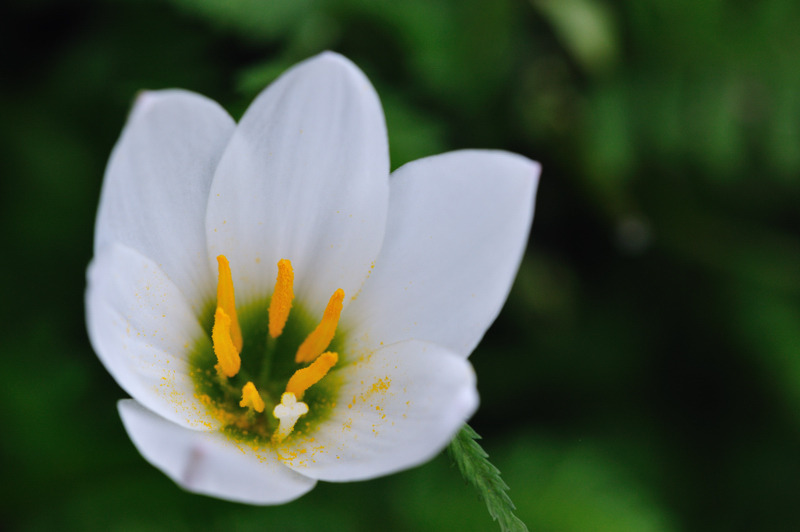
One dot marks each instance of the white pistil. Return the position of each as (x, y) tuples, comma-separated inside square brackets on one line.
[(288, 412)]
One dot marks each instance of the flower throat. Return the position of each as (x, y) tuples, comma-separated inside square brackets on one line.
[(267, 370)]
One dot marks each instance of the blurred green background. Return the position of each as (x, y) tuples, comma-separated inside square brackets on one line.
[(645, 373)]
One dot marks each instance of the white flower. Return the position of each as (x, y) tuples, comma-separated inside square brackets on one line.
[(195, 214)]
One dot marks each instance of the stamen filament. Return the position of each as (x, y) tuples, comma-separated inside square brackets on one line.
[(288, 412), (321, 337), (281, 302), (251, 398), (226, 300), (304, 378), (228, 361)]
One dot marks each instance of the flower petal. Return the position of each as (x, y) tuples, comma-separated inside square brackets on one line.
[(209, 463), (156, 185), (143, 329), (458, 225), (305, 178), (396, 408)]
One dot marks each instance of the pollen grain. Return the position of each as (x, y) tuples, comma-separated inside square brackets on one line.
[(251, 398), (228, 361), (226, 300), (304, 378), (281, 302), (321, 337)]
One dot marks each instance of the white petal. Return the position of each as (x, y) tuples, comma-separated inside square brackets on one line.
[(156, 185), (396, 408), (143, 329), (457, 228), (209, 462), (305, 178)]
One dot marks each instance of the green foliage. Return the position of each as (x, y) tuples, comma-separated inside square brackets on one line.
[(254, 19), (474, 464)]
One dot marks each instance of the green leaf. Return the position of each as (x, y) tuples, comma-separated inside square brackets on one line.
[(473, 462)]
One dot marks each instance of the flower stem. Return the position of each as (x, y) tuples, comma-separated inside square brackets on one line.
[(266, 362)]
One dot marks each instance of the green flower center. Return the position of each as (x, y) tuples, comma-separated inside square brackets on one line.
[(266, 365)]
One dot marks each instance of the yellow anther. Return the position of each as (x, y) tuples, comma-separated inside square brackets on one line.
[(251, 398), (304, 378), (226, 301), (318, 340), (281, 302), (288, 412), (228, 361)]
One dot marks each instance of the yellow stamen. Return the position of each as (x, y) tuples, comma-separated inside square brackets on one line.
[(304, 378), (318, 340), (288, 412), (281, 301), (227, 354), (226, 301), (251, 398)]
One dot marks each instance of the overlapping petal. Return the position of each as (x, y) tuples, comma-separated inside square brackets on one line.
[(396, 408), (305, 177), (209, 463), (457, 228), (143, 329), (157, 183)]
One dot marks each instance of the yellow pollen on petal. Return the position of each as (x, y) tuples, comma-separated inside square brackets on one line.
[(251, 398), (228, 361), (305, 378), (226, 300), (288, 412), (318, 340), (281, 302)]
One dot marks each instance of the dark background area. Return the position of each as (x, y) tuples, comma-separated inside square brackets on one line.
[(645, 373)]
